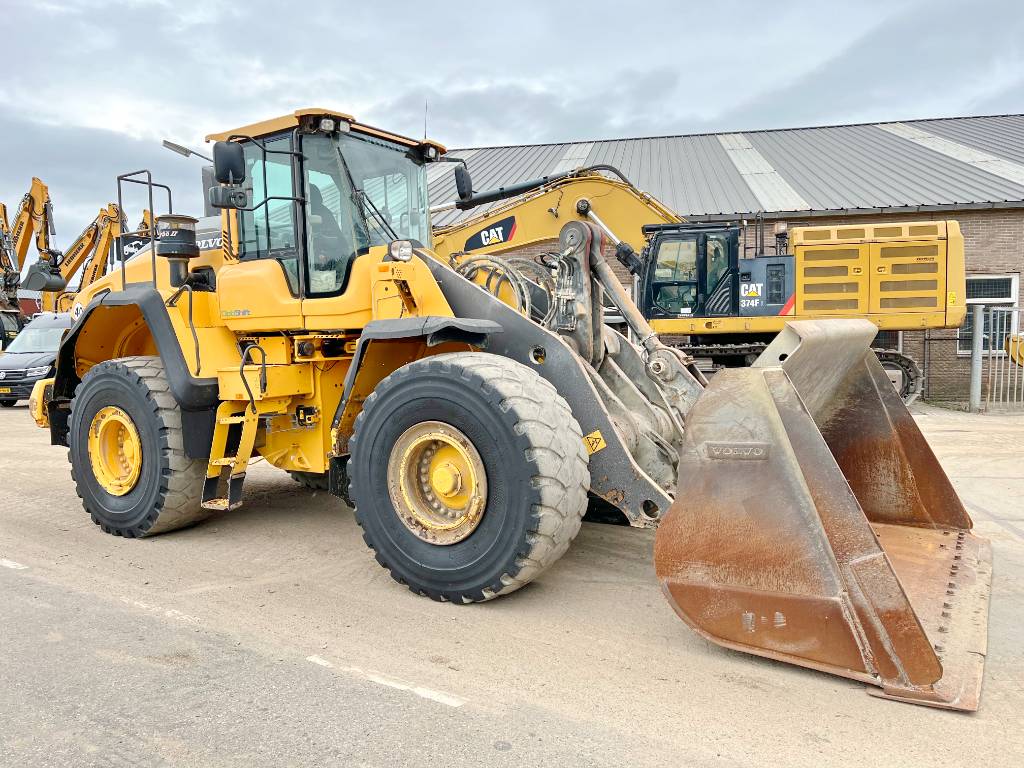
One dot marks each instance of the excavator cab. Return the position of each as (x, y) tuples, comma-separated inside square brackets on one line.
[(691, 270)]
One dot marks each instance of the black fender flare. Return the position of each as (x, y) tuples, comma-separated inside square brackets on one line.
[(197, 397), (431, 329)]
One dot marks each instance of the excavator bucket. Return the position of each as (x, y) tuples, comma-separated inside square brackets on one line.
[(813, 524)]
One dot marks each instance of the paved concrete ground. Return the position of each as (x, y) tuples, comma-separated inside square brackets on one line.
[(269, 636)]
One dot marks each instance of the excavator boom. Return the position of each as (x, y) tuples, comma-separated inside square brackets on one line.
[(619, 210), (33, 217)]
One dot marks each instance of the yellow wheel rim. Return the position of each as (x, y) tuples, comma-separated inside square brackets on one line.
[(437, 482), (115, 450)]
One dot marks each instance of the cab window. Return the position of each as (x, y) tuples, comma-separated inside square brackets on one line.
[(675, 276), (268, 232), (717, 260), (392, 185)]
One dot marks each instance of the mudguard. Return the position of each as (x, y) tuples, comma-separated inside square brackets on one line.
[(197, 397)]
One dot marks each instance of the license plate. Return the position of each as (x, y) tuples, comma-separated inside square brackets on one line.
[(5, 390)]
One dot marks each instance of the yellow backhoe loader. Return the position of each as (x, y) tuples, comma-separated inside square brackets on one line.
[(802, 515), (90, 252), (691, 281), (34, 217)]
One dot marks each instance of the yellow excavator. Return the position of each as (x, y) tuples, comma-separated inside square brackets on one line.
[(33, 218), (691, 282), (90, 252), (467, 418)]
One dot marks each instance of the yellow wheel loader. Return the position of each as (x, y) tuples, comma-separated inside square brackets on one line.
[(467, 417)]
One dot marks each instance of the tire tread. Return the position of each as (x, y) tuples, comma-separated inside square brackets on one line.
[(552, 445), (181, 478)]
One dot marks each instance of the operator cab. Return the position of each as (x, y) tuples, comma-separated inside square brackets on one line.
[(694, 271), (316, 190), (691, 271)]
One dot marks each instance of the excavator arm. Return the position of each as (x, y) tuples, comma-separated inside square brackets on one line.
[(33, 217), (91, 249), (6, 246)]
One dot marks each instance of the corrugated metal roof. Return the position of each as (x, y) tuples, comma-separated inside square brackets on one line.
[(945, 163)]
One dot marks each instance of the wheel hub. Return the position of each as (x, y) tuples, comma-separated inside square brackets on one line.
[(115, 450), (437, 482)]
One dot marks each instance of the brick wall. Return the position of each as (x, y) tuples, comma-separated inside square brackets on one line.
[(993, 244)]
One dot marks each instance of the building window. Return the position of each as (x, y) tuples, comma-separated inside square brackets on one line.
[(990, 290), (888, 340)]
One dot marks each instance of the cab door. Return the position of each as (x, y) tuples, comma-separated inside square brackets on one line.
[(262, 290), (718, 268), (672, 278)]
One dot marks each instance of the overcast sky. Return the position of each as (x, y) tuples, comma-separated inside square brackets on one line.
[(90, 87)]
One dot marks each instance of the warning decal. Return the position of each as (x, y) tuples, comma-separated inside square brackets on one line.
[(594, 441)]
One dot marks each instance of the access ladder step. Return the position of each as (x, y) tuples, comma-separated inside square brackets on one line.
[(225, 474)]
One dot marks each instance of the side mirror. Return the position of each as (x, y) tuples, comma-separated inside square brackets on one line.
[(228, 162), (463, 183)]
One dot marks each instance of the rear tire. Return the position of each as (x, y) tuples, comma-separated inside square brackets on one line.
[(529, 446), (8, 403), (168, 491)]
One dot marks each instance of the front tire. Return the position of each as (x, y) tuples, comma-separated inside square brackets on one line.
[(522, 457), (8, 403), (127, 451)]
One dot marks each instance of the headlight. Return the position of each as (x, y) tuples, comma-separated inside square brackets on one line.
[(35, 373), (400, 250)]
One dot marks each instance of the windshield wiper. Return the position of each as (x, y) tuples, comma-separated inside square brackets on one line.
[(378, 215), (360, 197)]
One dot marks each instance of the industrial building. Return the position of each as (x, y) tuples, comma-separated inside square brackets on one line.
[(970, 169)]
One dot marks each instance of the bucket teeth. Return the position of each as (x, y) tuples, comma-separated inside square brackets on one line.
[(813, 524)]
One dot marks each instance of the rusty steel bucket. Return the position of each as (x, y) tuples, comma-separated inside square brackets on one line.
[(813, 524)]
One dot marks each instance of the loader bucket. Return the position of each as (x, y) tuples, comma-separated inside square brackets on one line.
[(813, 524)]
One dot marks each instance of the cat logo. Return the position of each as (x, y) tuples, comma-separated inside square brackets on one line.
[(499, 232), (751, 290)]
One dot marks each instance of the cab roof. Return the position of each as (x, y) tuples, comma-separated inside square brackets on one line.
[(285, 122)]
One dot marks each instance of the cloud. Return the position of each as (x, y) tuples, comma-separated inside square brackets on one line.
[(935, 59), (126, 73), (81, 166)]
